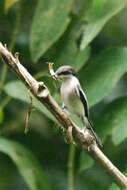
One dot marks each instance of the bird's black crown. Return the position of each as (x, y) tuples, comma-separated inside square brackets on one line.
[(65, 70)]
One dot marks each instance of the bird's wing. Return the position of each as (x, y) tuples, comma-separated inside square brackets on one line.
[(84, 101), (85, 104)]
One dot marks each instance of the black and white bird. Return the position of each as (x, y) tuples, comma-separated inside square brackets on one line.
[(73, 97)]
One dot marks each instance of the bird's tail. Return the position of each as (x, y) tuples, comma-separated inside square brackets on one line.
[(89, 126)]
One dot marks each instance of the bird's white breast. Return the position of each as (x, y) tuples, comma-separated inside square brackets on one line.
[(71, 97)]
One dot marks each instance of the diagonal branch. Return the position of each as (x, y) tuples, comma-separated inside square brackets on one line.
[(81, 137)]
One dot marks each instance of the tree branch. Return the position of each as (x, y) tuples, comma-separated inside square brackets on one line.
[(81, 137)]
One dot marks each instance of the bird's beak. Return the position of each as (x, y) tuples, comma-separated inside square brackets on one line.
[(55, 76)]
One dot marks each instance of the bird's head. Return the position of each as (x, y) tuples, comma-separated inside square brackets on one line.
[(65, 72)]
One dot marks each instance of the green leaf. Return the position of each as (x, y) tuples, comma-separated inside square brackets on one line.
[(98, 6), (27, 164), (97, 21), (50, 21), (17, 90), (101, 75), (85, 161), (1, 116), (113, 121), (8, 4), (114, 187), (67, 53)]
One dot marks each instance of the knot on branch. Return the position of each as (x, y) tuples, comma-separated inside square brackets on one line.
[(42, 90), (83, 138)]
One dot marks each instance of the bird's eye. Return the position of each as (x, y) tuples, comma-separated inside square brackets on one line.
[(64, 73)]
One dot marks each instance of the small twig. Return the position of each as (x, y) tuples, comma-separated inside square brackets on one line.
[(71, 167), (28, 113), (81, 137), (3, 77)]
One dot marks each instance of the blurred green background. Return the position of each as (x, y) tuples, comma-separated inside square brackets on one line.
[(91, 37)]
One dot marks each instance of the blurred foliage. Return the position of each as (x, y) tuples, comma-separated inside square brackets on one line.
[(1, 116), (91, 37), (43, 35), (8, 4), (27, 164)]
